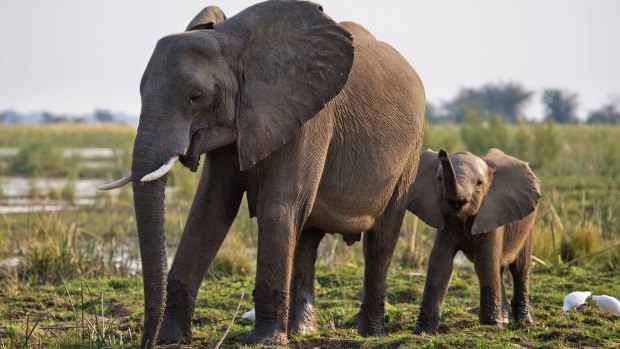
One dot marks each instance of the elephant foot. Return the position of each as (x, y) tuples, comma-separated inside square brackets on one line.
[(492, 309), (521, 312), (428, 321), (420, 328), (176, 325), (262, 338), (499, 321), (493, 318), (523, 317), (271, 316), (303, 321), (172, 333), (370, 323)]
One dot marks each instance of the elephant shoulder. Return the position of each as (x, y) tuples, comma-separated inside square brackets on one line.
[(357, 31)]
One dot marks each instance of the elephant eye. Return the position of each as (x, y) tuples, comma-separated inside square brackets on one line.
[(194, 98), (479, 182)]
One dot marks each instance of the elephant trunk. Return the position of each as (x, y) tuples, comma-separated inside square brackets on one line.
[(449, 177), (149, 208)]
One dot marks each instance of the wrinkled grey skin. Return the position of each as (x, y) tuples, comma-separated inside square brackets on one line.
[(484, 206), (318, 123)]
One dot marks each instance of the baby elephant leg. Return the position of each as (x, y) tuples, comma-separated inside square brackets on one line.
[(487, 265), (520, 270), (436, 285)]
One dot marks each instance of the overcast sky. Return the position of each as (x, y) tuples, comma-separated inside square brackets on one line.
[(75, 56)]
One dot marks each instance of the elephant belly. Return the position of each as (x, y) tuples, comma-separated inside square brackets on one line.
[(351, 206)]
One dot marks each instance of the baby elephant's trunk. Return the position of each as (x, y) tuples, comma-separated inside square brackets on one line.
[(449, 177)]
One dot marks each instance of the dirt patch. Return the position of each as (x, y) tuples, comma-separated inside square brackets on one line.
[(521, 343), (579, 339), (119, 310), (326, 343), (451, 327)]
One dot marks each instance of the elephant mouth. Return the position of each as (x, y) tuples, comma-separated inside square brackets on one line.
[(191, 158), (191, 162)]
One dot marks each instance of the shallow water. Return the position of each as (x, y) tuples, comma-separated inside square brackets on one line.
[(16, 194), (85, 153)]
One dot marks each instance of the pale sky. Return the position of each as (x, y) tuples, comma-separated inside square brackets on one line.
[(75, 56)]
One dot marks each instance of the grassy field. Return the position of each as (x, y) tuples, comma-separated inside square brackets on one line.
[(577, 237), (106, 312)]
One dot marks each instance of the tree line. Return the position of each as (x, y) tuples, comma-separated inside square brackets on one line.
[(507, 101)]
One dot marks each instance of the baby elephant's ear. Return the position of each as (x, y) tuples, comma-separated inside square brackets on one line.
[(514, 192), (206, 18), (421, 197)]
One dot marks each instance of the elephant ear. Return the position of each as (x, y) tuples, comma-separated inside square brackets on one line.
[(206, 18), (294, 60), (422, 197), (514, 192)]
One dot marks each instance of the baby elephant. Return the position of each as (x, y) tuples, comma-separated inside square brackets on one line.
[(484, 206)]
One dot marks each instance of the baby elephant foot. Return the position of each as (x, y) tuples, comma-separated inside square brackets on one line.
[(523, 317), (493, 318), (498, 321), (491, 308), (370, 323), (521, 313), (176, 325)]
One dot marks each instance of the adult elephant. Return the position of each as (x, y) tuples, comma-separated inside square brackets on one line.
[(318, 122)]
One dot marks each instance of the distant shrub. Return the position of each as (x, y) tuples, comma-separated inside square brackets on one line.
[(480, 136), (547, 145), (578, 242), (38, 159), (445, 136)]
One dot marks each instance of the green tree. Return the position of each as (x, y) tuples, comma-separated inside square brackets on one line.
[(104, 116), (505, 100), (607, 114), (560, 105)]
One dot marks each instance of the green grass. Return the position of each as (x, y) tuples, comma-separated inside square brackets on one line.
[(338, 293)]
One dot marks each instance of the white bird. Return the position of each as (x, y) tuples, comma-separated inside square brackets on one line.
[(608, 304), (251, 315), (575, 299)]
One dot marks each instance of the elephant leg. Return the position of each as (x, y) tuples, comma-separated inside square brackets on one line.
[(302, 317), (214, 208), (505, 304), (520, 270), (379, 244), (288, 181), (487, 265), (438, 277)]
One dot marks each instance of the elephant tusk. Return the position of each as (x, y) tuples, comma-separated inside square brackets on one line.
[(160, 172), (116, 184)]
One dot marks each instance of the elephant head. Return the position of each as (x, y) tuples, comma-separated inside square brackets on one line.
[(252, 80), (493, 189)]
